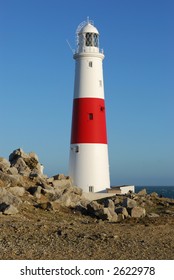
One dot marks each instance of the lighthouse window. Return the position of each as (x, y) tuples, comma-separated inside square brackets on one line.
[(102, 108), (90, 116), (90, 64), (91, 189), (76, 149), (89, 39), (95, 40), (100, 83)]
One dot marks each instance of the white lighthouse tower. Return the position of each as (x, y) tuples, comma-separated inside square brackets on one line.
[(89, 164)]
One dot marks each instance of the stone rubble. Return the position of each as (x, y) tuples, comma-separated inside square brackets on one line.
[(22, 180)]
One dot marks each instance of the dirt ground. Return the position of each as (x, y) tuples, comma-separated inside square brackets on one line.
[(34, 233)]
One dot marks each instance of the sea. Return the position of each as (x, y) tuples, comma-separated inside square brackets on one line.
[(163, 191)]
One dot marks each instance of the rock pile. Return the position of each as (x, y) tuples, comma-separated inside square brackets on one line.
[(22, 182), (25, 164), (22, 178)]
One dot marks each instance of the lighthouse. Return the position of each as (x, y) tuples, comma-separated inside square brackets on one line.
[(88, 162)]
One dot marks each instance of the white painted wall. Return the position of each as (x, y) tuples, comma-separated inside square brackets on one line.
[(90, 166), (89, 80)]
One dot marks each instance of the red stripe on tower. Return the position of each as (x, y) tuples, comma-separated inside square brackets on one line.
[(89, 121)]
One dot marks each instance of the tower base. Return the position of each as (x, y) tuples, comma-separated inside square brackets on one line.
[(89, 167)]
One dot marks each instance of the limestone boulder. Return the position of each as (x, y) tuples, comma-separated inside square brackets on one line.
[(117, 201), (129, 203), (154, 195), (69, 200), (18, 153), (66, 187), (143, 192), (61, 183), (34, 156), (8, 198), (120, 217), (17, 191), (138, 212), (68, 195), (109, 215), (9, 180), (122, 210), (4, 164), (22, 167), (110, 212), (12, 171), (49, 193), (95, 209), (35, 191)]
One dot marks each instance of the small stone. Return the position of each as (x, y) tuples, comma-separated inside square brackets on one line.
[(153, 215), (10, 210), (116, 236)]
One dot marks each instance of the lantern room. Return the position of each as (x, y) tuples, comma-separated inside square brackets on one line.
[(87, 37)]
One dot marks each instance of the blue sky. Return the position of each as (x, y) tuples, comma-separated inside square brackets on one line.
[(37, 80)]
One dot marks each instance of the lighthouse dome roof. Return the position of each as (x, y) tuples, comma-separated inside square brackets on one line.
[(88, 28)]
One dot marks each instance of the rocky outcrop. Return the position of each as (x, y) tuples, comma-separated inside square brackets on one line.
[(22, 179), (22, 182), (26, 164)]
